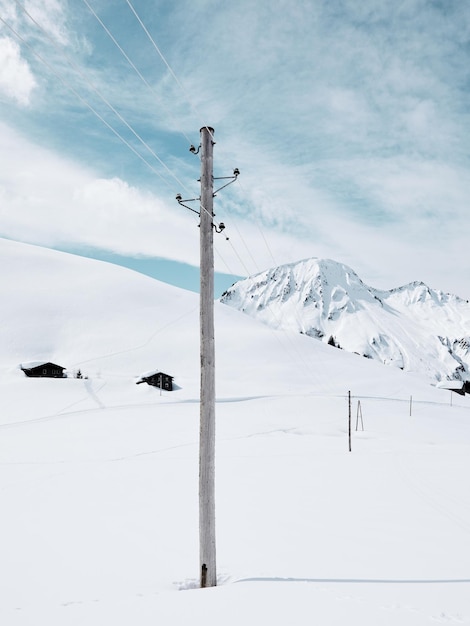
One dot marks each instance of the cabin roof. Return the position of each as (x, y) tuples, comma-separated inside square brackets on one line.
[(154, 373), (33, 364)]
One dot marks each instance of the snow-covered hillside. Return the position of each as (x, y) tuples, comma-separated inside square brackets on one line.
[(109, 321), (99, 476), (413, 327)]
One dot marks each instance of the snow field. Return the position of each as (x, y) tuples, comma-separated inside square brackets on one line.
[(99, 476)]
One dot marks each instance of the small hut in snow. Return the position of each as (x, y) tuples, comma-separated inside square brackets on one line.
[(43, 369), (157, 379)]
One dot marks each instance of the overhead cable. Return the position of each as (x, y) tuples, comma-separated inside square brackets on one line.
[(161, 55), (85, 102), (113, 39), (98, 93)]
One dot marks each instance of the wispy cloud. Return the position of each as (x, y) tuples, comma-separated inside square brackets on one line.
[(49, 200), (52, 15), (16, 79)]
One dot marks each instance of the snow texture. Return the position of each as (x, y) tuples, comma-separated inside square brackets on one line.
[(99, 476)]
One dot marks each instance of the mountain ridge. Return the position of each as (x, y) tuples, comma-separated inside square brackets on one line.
[(412, 327)]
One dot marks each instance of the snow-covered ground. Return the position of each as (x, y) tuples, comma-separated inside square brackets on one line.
[(99, 476)]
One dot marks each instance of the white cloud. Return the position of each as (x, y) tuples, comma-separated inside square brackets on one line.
[(51, 201), (16, 78), (51, 16), (8, 10)]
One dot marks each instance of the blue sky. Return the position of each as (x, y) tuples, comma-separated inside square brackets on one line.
[(349, 122)]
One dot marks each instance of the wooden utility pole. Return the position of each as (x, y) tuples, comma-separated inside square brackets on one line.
[(207, 550)]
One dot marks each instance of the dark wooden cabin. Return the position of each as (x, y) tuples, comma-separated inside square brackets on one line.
[(157, 379), (43, 370)]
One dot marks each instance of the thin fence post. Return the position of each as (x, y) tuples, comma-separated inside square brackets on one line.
[(349, 404), (359, 415), (411, 404)]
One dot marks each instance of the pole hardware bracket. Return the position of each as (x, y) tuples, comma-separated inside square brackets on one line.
[(236, 173), (193, 149), (179, 200)]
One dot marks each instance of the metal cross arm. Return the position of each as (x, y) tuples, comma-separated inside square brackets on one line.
[(179, 200), (236, 173)]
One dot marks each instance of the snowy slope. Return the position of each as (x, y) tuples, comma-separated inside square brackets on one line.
[(99, 476), (412, 327)]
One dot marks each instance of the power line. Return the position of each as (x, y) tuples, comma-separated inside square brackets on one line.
[(291, 349), (113, 39), (84, 101), (271, 312), (260, 230), (277, 317), (155, 46), (98, 93), (161, 55), (294, 351), (120, 117), (99, 116), (136, 153), (248, 273), (239, 257), (180, 85), (137, 71)]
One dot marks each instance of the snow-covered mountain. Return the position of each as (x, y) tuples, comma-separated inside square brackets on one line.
[(413, 327)]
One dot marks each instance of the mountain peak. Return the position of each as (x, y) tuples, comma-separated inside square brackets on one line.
[(412, 327)]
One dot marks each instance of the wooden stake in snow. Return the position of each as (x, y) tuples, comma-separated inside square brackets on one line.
[(359, 415), (349, 404), (207, 564)]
